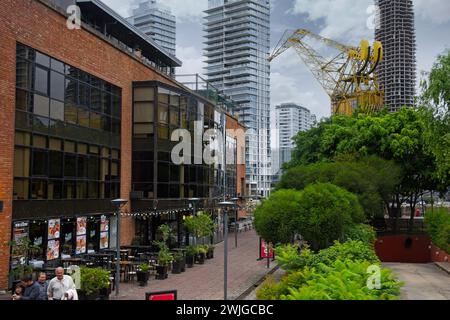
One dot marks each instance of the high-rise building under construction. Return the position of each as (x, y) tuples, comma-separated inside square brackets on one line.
[(397, 72)]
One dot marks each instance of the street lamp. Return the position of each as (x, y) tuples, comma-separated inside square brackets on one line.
[(193, 202), (235, 200), (225, 205), (118, 203)]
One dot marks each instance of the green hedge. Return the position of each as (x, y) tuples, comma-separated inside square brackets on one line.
[(340, 272), (437, 224)]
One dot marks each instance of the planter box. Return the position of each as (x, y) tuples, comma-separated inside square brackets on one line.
[(142, 278), (97, 296), (210, 254), (176, 267), (162, 272), (201, 258), (189, 261)]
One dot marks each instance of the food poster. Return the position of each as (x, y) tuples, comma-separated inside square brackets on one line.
[(104, 240), (81, 226), (104, 224), (52, 250), (20, 231), (54, 229), (81, 245)]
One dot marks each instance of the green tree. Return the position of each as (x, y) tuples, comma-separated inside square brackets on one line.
[(351, 175), (401, 137), (275, 216), (325, 212), (437, 87)]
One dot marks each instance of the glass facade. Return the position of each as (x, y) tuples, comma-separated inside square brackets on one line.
[(157, 112), (68, 126), (237, 48)]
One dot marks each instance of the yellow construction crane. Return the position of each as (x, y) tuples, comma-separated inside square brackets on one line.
[(349, 78)]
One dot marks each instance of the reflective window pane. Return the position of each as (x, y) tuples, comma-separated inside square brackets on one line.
[(57, 86), (41, 80), (143, 112), (41, 105), (57, 110), (42, 59)]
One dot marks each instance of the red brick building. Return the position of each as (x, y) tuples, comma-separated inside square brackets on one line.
[(70, 120)]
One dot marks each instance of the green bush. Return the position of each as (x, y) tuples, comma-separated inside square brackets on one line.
[(325, 211), (360, 232), (275, 217), (437, 224), (343, 280), (289, 259), (320, 213), (93, 280), (352, 250)]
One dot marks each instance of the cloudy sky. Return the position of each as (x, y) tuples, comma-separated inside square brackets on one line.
[(342, 20)]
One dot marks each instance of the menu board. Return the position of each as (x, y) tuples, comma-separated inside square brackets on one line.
[(104, 240), (54, 228), (81, 245), (52, 250), (81, 226), (104, 224), (20, 231)]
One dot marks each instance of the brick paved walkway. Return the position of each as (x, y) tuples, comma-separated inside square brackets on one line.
[(205, 282)]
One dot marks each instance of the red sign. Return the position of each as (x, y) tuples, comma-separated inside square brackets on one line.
[(266, 251), (161, 296)]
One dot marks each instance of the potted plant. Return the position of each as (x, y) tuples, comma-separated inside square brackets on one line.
[(210, 251), (94, 284), (177, 264), (191, 253), (164, 260), (201, 256), (143, 274)]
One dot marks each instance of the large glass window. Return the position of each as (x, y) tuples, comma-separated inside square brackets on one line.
[(69, 146)]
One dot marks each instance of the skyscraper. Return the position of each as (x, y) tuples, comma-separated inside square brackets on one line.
[(156, 21), (237, 48), (397, 72), (290, 119)]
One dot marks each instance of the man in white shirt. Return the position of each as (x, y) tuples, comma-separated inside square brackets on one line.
[(60, 285)]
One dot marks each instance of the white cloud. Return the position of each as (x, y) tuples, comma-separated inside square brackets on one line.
[(184, 10), (287, 88), (434, 11), (344, 20), (192, 60)]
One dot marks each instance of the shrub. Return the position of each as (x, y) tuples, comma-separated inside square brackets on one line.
[(437, 224), (360, 232), (325, 211), (289, 259), (93, 280), (274, 218), (351, 250), (343, 280)]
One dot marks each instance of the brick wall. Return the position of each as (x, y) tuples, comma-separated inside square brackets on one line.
[(36, 25)]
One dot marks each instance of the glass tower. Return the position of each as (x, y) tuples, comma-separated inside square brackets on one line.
[(237, 48), (157, 22)]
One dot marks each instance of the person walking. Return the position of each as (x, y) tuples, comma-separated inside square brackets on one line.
[(59, 286), (43, 283), (32, 289)]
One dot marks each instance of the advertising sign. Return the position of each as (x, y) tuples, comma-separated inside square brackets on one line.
[(54, 228), (81, 245), (161, 296), (265, 251), (81, 226), (52, 250)]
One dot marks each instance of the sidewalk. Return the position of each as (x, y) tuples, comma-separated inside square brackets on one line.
[(205, 282), (422, 281)]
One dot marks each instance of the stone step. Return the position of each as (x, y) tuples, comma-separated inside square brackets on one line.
[(445, 266)]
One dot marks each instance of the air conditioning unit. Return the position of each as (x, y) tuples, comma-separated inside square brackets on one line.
[(136, 195)]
